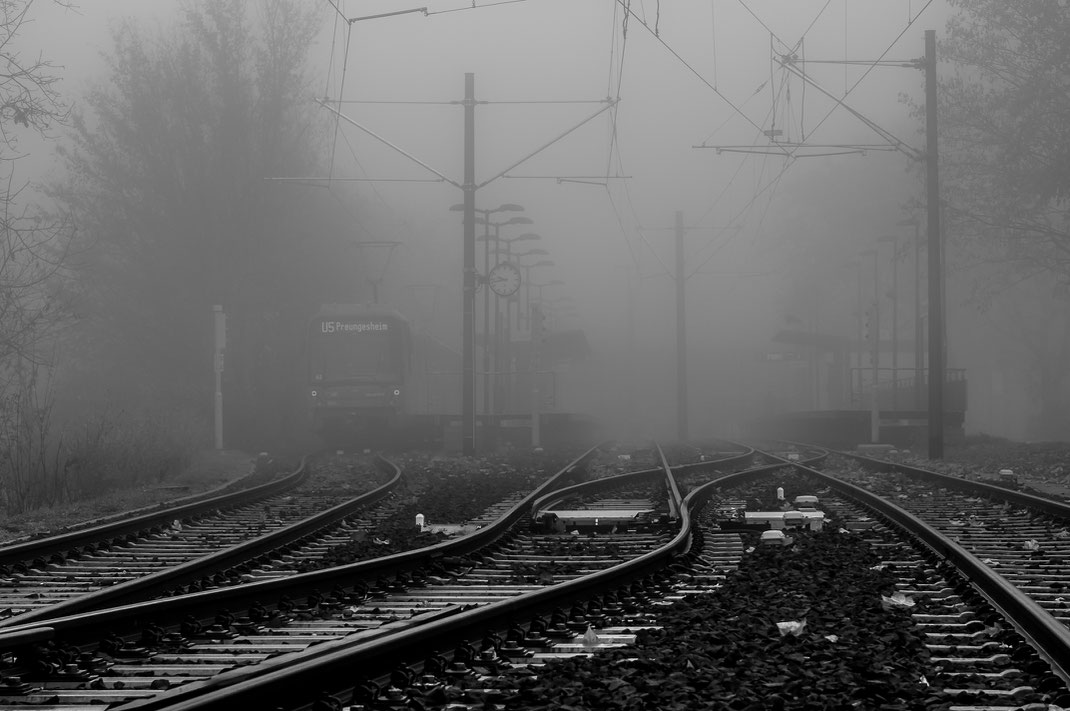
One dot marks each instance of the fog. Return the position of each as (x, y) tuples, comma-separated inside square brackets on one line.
[(771, 244)]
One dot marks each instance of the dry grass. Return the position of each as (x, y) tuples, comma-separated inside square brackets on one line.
[(209, 470)]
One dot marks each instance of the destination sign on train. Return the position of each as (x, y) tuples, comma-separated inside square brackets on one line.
[(353, 327)]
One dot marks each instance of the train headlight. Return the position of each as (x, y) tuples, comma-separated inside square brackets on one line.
[(397, 391), (313, 393)]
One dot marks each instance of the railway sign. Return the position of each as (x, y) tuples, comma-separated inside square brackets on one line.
[(775, 357)]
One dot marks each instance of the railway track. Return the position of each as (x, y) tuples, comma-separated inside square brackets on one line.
[(973, 658), (377, 606), (1024, 538), (412, 629), (174, 546)]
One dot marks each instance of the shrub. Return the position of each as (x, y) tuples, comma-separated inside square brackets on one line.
[(43, 464)]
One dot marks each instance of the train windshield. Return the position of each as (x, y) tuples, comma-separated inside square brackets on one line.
[(344, 351)]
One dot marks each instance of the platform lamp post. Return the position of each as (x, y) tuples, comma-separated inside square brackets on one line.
[(856, 265), (489, 344), (532, 322), (486, 239), (894, 241), (547, 313), (919, 330), (559, 307), (538, 331), (540, 287), (524, 311), (504, 247)]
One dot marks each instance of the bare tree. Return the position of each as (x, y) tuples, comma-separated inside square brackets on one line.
[(32, 245), (1005, 134), (169, 166)]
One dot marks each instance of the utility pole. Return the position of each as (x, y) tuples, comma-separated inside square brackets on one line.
[(875, 336), (468, 307), (681, 334), (860, 339), (936, 287), (486, 322), (469, 186), (895, 324), (919, 332)]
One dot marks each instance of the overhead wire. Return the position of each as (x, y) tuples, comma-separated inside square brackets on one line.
[(688, 65), (802, 99), (612, 117), (776, 94), (872, 65), (357, 220), (713, 37), (754, 198), (473, 6), (812, 23), (758, 90), (338, 10), (334, 43), (770, 187), (760, 21), (628, 11), (341, 91), (743, 160), (616, 71)]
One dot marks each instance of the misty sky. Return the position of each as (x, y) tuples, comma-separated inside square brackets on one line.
[(791, 222)]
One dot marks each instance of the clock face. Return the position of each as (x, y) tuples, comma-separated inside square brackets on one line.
[(504, 279)]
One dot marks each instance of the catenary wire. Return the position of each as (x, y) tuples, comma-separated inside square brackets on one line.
[(872, 66)]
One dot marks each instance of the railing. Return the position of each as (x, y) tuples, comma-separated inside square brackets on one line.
[(899, 390)]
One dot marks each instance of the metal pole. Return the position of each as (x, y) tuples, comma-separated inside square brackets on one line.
[(501, 330), (524, 313), (815, 354), (468, 308), (681, 336), (860, 347), (486, 317), (936, 287), (633, 419), (875, 334), (509, 383), (536, 415), (895, 324), (919, 332)]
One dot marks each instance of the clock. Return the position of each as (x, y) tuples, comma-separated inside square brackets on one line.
[(504, 279)]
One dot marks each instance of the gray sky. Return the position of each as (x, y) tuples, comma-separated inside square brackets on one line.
[(706, 77)]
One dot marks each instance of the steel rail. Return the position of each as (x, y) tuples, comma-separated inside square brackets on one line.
[(598, 485), (1050, 637), (166, 580), (119, 530), (1049, 506), (286, 681), (674, 497), (91, 626)]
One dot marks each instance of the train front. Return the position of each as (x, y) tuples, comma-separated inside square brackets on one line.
[(358, 360)]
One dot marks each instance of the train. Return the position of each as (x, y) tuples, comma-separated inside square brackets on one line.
[(372, 380)]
